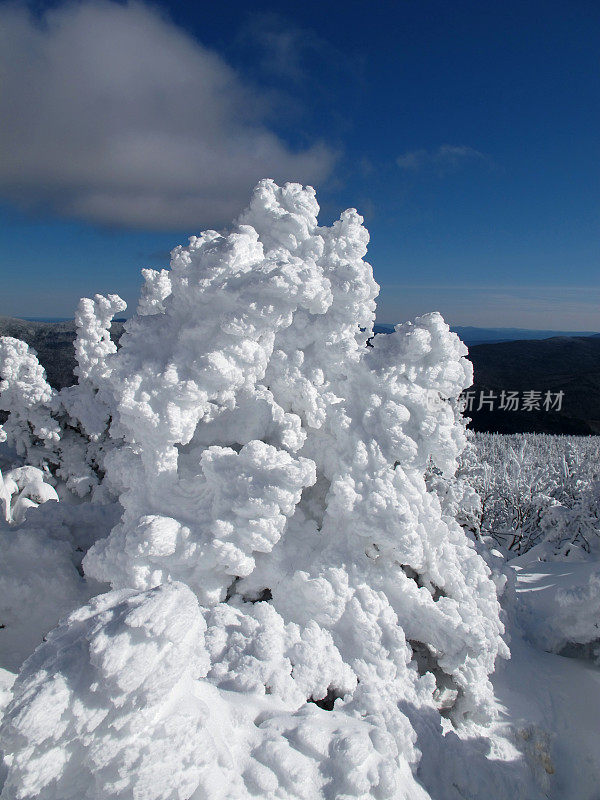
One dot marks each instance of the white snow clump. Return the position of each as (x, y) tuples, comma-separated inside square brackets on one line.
[(23, 488)]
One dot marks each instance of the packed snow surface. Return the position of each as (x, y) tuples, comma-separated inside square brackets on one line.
[(256, 584)]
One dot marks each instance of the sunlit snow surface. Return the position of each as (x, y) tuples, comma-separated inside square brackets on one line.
[(553, 701)]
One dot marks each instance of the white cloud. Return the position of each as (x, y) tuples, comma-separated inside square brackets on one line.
[(112, 114), (444, 159)]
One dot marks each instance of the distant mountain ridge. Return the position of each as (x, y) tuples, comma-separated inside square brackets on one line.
[(473, 336), (569, 364)]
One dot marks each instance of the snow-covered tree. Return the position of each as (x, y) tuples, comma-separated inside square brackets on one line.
[(27, 396), (273, 463), (64, 431)]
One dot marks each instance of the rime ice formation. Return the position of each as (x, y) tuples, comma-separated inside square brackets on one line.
[(25, 393), (23, 488), (66, 430), (270, 460)]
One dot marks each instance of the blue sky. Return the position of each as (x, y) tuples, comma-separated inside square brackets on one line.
[(465, 133)]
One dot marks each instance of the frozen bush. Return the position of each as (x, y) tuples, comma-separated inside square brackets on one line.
[(23, 488), (270, 460), (65, 432), (27, 396), (536, 490)]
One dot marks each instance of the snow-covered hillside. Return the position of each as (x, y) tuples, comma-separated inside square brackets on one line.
[(262, 577)]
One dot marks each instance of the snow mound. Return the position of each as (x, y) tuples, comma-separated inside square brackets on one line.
[(560, 605), (104, 708), (111, 705)]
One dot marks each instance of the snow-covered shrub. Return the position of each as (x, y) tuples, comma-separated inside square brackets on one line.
[(23, 488), (536, 490), (270, 460), (66, 431), (572, 531), (27, 396), (84, 414)]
